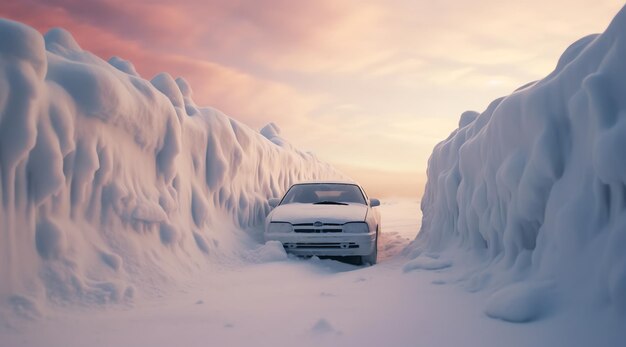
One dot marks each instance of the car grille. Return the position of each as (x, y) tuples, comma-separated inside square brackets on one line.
[(318, 245), (324, 228)]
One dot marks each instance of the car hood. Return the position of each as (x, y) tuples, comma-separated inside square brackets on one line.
[(309, 213)]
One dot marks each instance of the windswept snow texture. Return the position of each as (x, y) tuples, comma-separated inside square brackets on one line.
[(109, 180), (536, 186)]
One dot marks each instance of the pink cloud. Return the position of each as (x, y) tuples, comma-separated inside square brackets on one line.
[(249, 98)]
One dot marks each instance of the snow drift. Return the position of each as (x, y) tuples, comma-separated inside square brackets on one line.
[(109, 180), (535, 187)]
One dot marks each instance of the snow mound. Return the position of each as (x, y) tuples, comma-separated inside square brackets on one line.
[(272, 132), (536, 184), (520, 302), (271, 251), (110, 182), (426, 263), (322, 327), (124, 65)]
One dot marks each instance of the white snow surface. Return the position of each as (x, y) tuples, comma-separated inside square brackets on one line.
[(287, 301), (532, 192), (112, 185)]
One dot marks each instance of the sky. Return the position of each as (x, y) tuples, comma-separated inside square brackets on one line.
[(369, 86)]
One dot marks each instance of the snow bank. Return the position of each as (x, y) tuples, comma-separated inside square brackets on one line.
[(535, 186), (110, 181)]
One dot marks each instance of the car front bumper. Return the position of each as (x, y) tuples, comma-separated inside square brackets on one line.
[(325, 244)]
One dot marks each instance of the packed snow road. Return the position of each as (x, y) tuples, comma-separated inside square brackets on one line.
[(309, 302)]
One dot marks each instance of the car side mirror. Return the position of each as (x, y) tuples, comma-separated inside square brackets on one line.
[(374, 202), (273, 202)]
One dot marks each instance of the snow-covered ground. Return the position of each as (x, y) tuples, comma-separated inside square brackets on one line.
[(271, 300)]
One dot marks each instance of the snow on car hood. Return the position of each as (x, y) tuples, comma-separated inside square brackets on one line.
[(309, 213)]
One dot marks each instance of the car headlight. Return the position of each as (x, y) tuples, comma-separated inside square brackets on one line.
[(356, 227), (280, 227)]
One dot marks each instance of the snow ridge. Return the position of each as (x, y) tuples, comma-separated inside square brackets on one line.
[(109, 180), (535, 186)]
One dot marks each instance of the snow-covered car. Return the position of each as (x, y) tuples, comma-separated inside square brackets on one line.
[(325, 219)]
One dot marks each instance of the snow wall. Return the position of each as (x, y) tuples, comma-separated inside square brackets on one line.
[(109, 180), (535, 188)]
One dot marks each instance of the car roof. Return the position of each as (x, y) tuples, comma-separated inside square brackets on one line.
[(327, 182)]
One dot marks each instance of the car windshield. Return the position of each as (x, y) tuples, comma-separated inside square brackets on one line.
[(324, 193)]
